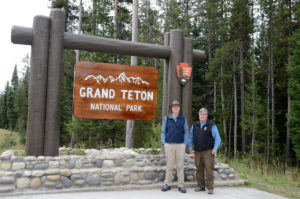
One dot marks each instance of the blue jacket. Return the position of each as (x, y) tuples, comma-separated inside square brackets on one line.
[(174, 130)]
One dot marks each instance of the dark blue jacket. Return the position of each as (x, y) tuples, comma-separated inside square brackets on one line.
[(175, 130)]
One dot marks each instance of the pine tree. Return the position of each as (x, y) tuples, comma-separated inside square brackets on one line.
[(21, 101), (15, 80), (12, 115), (207, 14), (172, 15), (294, 88), (241, 28), (3, 107)]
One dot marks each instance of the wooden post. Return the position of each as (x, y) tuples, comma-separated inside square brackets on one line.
[(176, 45), (187, 90), (37, 87), (165, 101), (165, 104), (55, 73)]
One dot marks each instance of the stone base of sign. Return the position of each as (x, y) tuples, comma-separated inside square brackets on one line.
[(97, 170)]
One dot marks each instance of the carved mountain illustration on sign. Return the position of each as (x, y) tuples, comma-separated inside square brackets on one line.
[(122, 78)]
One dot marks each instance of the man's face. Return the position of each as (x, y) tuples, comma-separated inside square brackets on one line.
[(175, 109), (202, 116)]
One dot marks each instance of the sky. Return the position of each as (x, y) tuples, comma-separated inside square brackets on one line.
[(20, 13)]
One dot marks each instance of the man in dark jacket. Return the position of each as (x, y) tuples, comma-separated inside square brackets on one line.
[(205, 137), (174, 138)]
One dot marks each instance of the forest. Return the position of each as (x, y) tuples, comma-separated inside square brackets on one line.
[(249, 82)]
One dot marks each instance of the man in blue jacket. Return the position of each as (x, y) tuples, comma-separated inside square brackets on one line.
[(174, 138), (205, 137)]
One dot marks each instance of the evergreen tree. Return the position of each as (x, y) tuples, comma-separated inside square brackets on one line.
[(71, 10), (172, 15), (15, 80), (12, 115), (21, 101), (3, 107), (241, 28), (204, 32), (294, 87)]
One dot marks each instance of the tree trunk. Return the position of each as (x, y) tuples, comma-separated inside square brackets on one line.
[(210, 57), (230, 125), (79, 28), (272, 97), (186, 17), (268, 114), (287, 153), (94, 17), (222, 86), (271, 71), (235, 106), (223, 107), (215, 98), (116, 31), (253, 111), (73, 137), (242, 97), (287, 150), (253, 147), (130, 123)]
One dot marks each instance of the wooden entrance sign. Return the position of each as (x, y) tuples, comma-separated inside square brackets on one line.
[(48, 39), (113, 91)]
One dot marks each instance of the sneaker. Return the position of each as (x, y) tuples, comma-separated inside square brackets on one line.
[(182, 189), (199, 189), (210, 191), (165, 187)]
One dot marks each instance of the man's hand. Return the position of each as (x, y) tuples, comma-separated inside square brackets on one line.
[(213, 152), (192, 155)]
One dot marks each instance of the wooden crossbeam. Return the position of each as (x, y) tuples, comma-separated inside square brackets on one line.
[(23, 35)]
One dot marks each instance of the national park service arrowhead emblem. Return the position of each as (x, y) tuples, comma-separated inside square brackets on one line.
[(184, 72)]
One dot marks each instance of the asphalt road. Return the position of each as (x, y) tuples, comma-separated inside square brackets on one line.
[(220, 192)]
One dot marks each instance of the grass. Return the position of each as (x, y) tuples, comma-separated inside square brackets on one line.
[(275, 179), (10, 140)]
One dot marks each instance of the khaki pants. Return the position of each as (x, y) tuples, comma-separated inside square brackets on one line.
[(174, 157), (205, 162)]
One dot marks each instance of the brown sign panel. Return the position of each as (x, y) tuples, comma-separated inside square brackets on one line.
[(113, 91)]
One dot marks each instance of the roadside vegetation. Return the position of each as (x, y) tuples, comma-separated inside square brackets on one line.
[(10, 140), (275, 178)]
